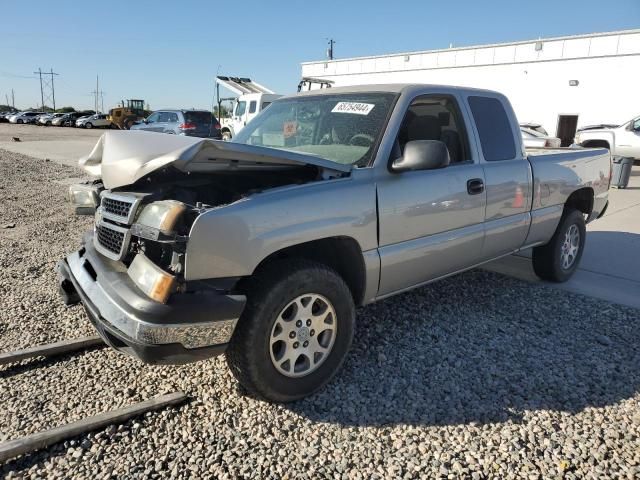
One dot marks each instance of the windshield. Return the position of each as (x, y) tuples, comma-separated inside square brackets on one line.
[(342, 128)]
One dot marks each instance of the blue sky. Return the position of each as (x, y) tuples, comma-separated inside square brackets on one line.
[(169, 52)]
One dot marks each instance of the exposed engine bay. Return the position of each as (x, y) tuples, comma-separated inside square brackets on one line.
[(198, 192)]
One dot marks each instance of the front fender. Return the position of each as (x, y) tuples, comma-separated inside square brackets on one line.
[(231, 241)]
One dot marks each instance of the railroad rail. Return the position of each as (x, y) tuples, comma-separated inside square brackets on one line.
[(45, 438)]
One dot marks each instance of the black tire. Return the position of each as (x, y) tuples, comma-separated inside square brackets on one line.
[(88, 125), (548, 259), (226, 136), (269, 291), (19, 121)]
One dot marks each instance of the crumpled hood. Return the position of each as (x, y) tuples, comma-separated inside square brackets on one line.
[(122, 158)]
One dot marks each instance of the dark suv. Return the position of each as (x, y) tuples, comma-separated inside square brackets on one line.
[(193, 123)]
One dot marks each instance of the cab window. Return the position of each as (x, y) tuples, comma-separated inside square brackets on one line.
[(494, 128), (435, 117)]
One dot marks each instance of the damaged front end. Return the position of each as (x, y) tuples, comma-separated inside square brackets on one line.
[(129, 273), (128, 276)]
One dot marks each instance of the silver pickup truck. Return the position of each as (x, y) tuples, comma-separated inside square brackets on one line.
[(262, 248)]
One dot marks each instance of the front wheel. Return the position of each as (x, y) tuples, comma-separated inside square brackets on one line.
[(88, 125), (226, 136), (558, 260), (295, 331)]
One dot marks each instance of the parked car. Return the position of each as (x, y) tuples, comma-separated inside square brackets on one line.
[(622, 140), (330, 199), (36, 119), (192, 123), (535, 139), (65, 120), (24, 117), (4, 116), (98, 120), (49, 118)]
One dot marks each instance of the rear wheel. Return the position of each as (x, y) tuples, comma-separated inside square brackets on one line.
[(226, 135), (295, 331), (558, 260)]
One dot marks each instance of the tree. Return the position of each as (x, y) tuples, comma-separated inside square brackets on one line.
[(66, 110), (225, 112)]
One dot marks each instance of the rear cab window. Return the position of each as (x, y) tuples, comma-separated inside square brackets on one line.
[(494, 128)]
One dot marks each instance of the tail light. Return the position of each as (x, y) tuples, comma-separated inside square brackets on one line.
[(187, 126), (217, 126)]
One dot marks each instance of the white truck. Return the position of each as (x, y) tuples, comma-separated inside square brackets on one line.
[(621, 140), (252, 99)]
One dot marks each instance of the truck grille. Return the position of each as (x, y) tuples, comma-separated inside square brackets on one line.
[(111, 240), (120, 208), (116, 207)]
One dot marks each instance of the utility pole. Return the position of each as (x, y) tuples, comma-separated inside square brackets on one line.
[(13, 99), (39, 72), (331, 42), (48, 85), (98, 96), (53, 90)]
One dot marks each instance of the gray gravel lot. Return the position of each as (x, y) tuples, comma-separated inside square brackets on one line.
[(478, 376)]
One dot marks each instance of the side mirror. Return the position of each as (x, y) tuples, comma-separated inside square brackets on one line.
[(422, 155)]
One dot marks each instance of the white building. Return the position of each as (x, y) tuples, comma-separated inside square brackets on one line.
[(559, 82)]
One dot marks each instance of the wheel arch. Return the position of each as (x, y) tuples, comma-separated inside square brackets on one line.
[(582, 200), (596, 144), (343, 254)]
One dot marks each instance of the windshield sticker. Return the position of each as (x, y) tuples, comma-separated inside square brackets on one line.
[(353, 107), (289, 129)]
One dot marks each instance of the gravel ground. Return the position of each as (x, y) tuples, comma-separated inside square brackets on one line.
[(478, 376)]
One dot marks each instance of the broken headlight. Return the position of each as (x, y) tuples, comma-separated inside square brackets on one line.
[(159, 220), (151, 279), (85, 197)]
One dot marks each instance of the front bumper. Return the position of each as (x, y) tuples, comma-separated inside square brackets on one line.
[(190, 327)]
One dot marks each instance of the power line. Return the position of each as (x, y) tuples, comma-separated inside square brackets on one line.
[(47, 85)]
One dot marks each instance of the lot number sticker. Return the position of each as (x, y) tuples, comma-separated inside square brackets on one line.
[(353, 107)]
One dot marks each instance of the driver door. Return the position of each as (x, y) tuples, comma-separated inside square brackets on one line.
[(431, 221)]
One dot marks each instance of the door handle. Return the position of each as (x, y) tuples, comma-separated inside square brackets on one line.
[(475, 186)]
